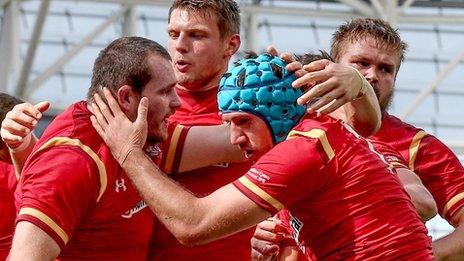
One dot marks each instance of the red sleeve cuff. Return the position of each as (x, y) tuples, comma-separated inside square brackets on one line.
[(174, 147), (257, 195), (45, 223), (453, 206)]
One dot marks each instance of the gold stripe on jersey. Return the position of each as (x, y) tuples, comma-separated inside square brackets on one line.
[(397, 164), (451, 202), (315, 134), (173, 148), (414, 148), (47, 220), (261, 193), (57, 141)]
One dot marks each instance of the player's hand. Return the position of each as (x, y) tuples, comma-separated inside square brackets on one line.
[(19, 123), (330, 85), (292, 64), (265, 242), (117, 131)]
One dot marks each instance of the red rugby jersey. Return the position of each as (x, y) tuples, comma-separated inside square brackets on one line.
[(345, 202), (434, 163), (201, 109), (73, 189), (7, 207)]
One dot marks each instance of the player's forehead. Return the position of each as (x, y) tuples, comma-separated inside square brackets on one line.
[(192, 19), (232, 116)]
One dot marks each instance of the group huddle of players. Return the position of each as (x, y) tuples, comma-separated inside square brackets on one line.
[(171, 156)]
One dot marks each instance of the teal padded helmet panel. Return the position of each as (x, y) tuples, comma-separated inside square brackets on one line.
[(262, 86)]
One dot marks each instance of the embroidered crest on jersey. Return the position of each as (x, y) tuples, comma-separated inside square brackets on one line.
[(137, 208), (153, 150), (258, 175)]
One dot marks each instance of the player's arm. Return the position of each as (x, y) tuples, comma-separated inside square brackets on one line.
[(190, 219), (208, 145), (420, 196), (17, 130), (450, 247), (46, 199), (343, 91), (443, 174), (32, 243)]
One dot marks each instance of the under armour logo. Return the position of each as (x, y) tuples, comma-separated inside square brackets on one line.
[(120, 185)]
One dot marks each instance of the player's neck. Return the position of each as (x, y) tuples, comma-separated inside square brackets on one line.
[(205, 88)]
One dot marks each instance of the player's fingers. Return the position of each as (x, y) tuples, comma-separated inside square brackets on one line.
[(272, 50), (142, 111), (287, 57), (266, 235), (21, 118), (102, 107), (101, 119), (96, 125), (42, 106), (294, 66), (317, 65), (263, 247), (27, 108), (331, 107), (15, 128), (324, 100), (305, 81), (272, 225), (311, 78), (318, 91), (112, 103), (9, 138)]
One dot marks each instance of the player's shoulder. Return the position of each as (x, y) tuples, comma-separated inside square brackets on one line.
[(317, 124), (390, 122)]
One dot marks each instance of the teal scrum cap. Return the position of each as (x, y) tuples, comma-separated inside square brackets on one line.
[(262, 86)]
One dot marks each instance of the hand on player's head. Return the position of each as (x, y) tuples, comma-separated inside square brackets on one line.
[(119, 133), (328, 85), (292, 64)]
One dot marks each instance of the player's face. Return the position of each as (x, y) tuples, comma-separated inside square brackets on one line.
[(249, 132), (199, 55), (163, 100), (377, 63)]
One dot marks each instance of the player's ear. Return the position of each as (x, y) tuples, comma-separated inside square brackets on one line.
[(127, 98), (232, 45)]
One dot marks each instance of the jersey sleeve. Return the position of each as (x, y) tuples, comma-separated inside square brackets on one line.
[(442, 174), (173, 146), (289, 172), (57, 188)]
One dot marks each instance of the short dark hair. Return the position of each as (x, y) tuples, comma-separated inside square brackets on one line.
[(7, 102), (308, 58), (124, 62), (362, 28), (226, 11)]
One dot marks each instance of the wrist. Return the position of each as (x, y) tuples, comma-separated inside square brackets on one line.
[(364, 84), (130, 155)]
